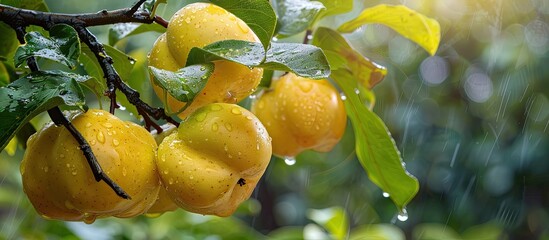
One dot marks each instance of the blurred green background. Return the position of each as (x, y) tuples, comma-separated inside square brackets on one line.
[(472, 123)]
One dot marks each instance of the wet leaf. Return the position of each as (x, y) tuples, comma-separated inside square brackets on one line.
[(37, 92), (341, 55), (295, 16), (375, 148), (413, 25), (243, 52), (302, 59), (258, 15), (334, 7), (334, 220), (62, 46), (184, 84), (123, 30)]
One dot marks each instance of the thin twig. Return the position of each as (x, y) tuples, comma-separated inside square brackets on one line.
[(113, 79), (161, 21), (59, 119), (308, 35), (135, 7)]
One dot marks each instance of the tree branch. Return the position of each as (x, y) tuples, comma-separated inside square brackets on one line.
[(59, 119), (18, 18), (46, 20), (113, 79)]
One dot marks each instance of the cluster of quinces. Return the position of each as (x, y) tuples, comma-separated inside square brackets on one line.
[(209, 164)]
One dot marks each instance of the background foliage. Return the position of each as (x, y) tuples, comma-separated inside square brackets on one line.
[(471, 123)]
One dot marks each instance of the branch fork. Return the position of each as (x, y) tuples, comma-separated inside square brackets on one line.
[(19, 19)]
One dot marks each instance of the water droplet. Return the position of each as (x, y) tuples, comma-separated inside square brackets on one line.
[(200, 117), (386, 194), (236, 111), (191, 177), (69, 205), (215, 107), (88, 218), (290, 161), (74, 172), (46, 169), (188, 20), (215, 127), (170, 181), (166, 172), (115, 142), (243, 27), (124, 171), (100, 137), (305, 86), (229, 126), (88, 125), (107, 125), (403, 215), (61, 155), (226, 148)]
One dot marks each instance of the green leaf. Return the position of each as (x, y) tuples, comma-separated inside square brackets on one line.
[(302, 59), (295, 16), (151, 6), (38, 5), (123, 30), (246, 53), (333, 219), (8, 41), (413, 25), (11, 147), (375, 148), (122, 63), (341, 55), (335, 7), (96, 83), (37, 92), (377, 231), (62, 46), (258, 15), (184, 84)]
